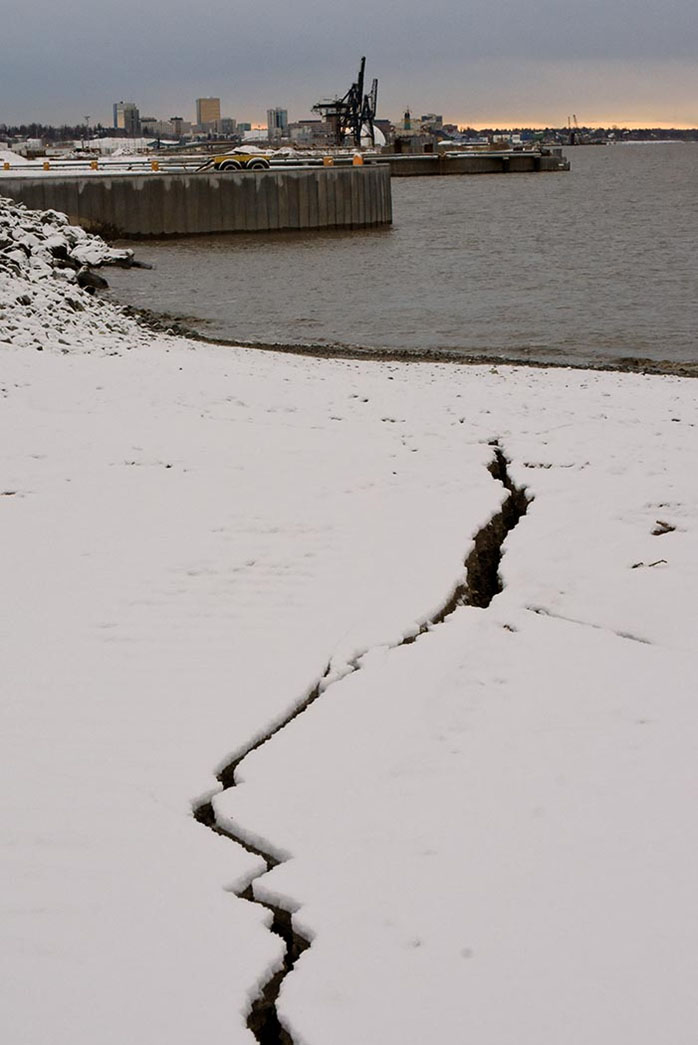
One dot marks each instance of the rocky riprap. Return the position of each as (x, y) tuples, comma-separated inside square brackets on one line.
[(47, 285)]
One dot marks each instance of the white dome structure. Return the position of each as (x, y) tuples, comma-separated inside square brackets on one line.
[(378, 136)]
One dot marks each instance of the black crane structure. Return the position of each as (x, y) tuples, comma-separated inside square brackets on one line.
[(353, 115)]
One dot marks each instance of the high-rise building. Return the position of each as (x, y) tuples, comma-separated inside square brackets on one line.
[(208, 113), (127, 118), (277, 123)]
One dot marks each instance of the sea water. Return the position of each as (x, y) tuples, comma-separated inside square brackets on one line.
[(598, 265)]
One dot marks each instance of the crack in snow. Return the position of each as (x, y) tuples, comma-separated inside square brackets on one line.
[(543, 612), (481, 584)]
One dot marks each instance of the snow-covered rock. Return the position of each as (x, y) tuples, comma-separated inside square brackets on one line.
[(41, 305)]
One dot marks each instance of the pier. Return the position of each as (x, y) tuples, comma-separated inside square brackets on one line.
[(169, 196), (159, 203), (412, 165)]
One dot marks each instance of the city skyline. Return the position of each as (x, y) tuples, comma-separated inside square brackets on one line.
[(192, 114), (609, 61), (260, 119)]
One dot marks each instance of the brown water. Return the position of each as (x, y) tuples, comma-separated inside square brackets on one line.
[(592, 266)]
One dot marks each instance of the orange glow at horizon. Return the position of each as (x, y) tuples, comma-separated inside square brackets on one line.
[(607, 122)]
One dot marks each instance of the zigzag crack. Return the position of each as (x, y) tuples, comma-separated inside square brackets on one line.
[(482, 583)]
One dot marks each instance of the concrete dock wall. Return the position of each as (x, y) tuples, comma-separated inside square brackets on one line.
[(162, 204), (411, 166)]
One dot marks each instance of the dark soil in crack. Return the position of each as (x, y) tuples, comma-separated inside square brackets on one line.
[(263, 1019), (482, 580), (482, 565), (482, 583)]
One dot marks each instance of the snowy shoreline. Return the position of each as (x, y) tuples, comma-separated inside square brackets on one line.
[(483, 820), (165, 322)]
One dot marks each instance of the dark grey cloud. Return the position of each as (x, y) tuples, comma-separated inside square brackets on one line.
[(471, 61)]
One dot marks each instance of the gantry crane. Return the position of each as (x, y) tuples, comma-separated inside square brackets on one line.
[(353, 115)]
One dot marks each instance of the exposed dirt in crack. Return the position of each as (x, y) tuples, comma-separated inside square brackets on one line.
[(263, 1019), (482, 580), (482, 583), (482, 565)]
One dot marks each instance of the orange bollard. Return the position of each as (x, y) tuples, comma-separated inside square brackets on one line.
[(47, 165), (358, 160), (154, 165), (328, 161), (6, 166), (94, 165)]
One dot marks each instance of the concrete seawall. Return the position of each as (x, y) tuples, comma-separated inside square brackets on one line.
[(411, 166), (160, 204)]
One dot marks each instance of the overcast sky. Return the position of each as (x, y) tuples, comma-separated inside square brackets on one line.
[(480, 62)]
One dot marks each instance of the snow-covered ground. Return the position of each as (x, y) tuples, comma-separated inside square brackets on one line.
[(486, 834), (8, 156)]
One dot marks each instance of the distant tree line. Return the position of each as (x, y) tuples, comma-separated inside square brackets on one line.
[(637, 134), (48, 133), (64, 133)]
